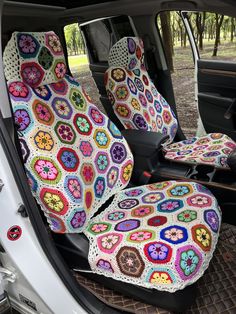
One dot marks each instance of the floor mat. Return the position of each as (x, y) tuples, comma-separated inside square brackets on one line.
[(216, 289)]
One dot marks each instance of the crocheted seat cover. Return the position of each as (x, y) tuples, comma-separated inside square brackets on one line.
[(158, 236), (212, 149), (74, 155), (138, 105), (135, 100)]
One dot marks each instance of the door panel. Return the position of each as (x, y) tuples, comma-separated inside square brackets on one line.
[(217, 95)]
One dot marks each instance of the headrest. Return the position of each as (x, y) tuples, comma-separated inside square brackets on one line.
[(128, 53), (34, 58)]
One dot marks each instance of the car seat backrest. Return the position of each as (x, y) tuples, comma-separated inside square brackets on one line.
[(135, 99), (75, 157)]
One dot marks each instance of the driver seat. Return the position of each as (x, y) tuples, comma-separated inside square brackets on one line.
[(157, 238)]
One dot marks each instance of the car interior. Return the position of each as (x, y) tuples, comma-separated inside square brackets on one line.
[(100, 182)]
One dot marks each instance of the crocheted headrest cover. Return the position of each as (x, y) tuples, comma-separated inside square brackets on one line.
[(135, 100), (128, 53), (74, 155), (34, 58)]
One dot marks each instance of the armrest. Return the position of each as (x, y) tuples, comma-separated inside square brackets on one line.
[(144, 143)]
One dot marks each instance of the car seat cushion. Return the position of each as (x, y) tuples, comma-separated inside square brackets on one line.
[(159, 236), (34, 58), (212, 149), (75, 157)]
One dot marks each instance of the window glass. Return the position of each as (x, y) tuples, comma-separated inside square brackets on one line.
[(181, 64), (214, 35)]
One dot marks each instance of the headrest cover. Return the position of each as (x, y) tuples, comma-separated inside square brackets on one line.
[(34, 58), (128, 53)]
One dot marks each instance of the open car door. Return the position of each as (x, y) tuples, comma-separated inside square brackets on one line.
[(216, 78)]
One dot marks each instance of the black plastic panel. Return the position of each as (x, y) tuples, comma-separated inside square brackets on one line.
[(217, 92)]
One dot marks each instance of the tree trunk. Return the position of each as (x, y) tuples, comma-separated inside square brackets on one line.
[(167, 38), (219, 21), (200, 23), (232, 29)]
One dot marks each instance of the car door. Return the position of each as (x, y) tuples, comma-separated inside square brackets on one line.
[(100, 36), (216, 75)]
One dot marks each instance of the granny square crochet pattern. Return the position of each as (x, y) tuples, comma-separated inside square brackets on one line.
[(159, 236), (74, 155), (138, 105)]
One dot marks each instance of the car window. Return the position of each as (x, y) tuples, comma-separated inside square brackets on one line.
[(214, 34), (103, 34)]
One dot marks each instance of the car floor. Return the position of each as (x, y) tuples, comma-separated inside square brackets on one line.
[(216, 289)]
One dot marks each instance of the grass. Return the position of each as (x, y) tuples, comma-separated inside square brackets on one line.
[(78, 61)]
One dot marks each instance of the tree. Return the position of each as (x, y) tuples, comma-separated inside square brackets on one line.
[(232, 29), (167, 38), (219, 20), (200, 23), (74, 40)]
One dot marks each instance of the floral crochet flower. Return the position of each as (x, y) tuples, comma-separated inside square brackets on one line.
[(75, 188), (109, 241), (62, 108), (105, 265), (143, 100), (22, 119), (187, 215), (118, 153), (99, 227), (140, 236), (142, 211), (83, 124), (96, 116), (27, 44), (101, 138), (60, 70), (135, 192), (160, 278), (88, 173), (188, 262), (170, 205), (44, 140), (78, 219), (99, 187), (179, 190), (212, 219), (199, 200), (53, 201), (43, 112), (112, 177), (158, 251), (42, 91), (116, 216), (46, 170), (118, 74), (122, 110), (140, 122), (121, 92), (69, 159), (135, 104), (102, 162), (174, 234), (31, 75), (127, 171), (18, 89), (78, 99), (86, 148), (65, 132), (54, 43), (203, 236)]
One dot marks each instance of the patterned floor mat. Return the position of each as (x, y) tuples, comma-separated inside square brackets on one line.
[(216, 289)]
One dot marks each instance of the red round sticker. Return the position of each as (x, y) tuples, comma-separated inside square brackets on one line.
[(14, 233)]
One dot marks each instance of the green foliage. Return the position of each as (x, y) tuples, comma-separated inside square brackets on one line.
[(74, 39)]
